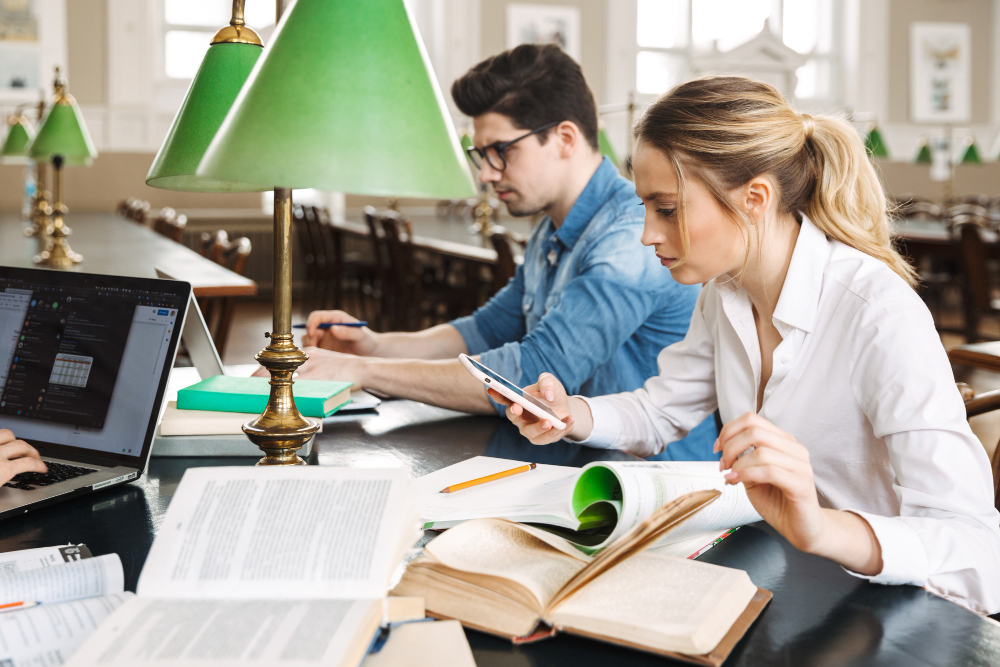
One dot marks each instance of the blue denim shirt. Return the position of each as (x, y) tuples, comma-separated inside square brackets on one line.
[(590, 304)]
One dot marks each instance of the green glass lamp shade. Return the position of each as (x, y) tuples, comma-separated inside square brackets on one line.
[(923, 153), (604, 143), (63, 132), (971, 153), (875, 143), (18, 138), (218, 81), (343, 98)]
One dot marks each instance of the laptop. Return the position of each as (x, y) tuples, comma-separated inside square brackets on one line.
[(84, 361)]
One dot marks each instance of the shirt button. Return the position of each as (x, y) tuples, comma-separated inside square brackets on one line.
[(527, 307), (785, 360)]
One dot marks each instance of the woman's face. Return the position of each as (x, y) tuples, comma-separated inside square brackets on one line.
[(717, 244)]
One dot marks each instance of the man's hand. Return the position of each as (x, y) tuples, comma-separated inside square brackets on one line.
[(17, 456), (329, 365), (360, 341)]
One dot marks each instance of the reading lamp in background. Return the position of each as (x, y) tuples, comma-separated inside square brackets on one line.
[(63, 140), (15, 151), (342, 99)]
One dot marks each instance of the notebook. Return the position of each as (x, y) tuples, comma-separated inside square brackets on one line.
[(225, 393)]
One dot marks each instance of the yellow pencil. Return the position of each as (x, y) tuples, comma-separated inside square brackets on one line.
[(488, 478)]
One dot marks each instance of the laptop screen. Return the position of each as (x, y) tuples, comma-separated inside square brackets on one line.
[(84, 359)]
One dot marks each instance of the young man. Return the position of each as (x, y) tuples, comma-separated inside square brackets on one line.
[(589, 302)]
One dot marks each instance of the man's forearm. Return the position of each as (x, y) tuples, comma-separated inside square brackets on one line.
[(440, 342), (444, 383)]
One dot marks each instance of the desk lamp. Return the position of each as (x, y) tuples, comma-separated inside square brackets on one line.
[(15, 151), (63, 140), (342, 98)]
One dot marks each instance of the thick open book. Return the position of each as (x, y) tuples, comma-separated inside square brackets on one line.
[(594, 505), (53, 598), (266, 566), (524, 583)]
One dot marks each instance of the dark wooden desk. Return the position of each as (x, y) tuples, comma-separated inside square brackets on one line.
[(115, 246), (819, 616)]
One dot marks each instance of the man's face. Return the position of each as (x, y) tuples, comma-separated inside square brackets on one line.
[(528, 185)]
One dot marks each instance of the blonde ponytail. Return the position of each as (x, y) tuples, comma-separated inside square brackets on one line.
[(725, 130)]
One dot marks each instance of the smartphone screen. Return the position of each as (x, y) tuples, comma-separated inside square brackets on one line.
[(509, 385)]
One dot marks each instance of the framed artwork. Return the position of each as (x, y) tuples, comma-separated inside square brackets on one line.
[(544, 24), (20, 48), (940, 73)]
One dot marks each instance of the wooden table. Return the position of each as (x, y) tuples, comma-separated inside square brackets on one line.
[(820, 615), (115, 246)]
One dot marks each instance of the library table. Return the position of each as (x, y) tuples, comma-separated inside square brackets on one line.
[(112, 245), (820, 615)]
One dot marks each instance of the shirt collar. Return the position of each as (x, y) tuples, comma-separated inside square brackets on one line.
[(590, 200), (799, 300)]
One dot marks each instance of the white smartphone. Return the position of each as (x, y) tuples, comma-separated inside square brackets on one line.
[(509, 390)]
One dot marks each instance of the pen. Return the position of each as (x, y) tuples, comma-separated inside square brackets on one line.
[(488, 478), (327, 325), (12, 606)]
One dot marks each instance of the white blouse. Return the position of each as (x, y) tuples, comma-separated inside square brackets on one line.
[(861, 379)]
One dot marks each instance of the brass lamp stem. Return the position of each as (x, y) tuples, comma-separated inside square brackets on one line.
[(57, 253), (238, 13), (281, 430)]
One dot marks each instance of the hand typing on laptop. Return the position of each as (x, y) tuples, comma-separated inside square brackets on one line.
[(17, 456)]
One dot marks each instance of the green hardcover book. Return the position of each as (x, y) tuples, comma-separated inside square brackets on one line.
[(223, 393)]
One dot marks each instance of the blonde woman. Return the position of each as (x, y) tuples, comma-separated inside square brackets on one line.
[(840, 408)]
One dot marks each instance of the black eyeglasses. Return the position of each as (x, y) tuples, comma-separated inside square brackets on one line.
[(495, 153)]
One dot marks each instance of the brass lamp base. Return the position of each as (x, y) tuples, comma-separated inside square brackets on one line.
[(281, 430), (57, 253), (41, 211)]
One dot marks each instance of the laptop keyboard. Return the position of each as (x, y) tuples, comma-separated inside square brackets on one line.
[(58, 472)]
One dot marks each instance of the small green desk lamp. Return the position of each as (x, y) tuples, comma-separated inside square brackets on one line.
[(341, 99), (63, 140), (15, 151)]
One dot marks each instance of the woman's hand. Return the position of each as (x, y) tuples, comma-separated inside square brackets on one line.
[(360, 341), (541, 431), (778, 477), (17, 456)]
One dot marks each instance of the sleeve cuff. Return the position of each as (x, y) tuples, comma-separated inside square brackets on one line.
[(904, 560), (474, 341), (607, 424)]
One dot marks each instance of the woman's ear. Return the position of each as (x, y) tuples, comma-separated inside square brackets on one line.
[(759, 196)]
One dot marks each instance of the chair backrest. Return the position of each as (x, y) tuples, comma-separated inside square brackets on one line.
[(506, 266), (307, 245), (168, 223), (231, 254), (968, 231), (978, 405), (973, 199), (974, 210), (919, 210), (379, 248), (133, 209)]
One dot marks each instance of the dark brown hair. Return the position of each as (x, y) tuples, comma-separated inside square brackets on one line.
[(726, 130), (532, 85)]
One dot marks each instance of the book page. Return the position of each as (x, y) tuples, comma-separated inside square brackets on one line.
[(648, 485), (47, 635), (33, 559), (300, 532), (424, 644), (539, 495), (226, 633), (87, 578), (502, 549), (671, 604)]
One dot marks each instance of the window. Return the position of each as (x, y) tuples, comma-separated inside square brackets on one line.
[(189, 25), (669, 33)]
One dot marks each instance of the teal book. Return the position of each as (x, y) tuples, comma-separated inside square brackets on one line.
[(224, 393)]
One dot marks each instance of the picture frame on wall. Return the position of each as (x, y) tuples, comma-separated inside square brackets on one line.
[(940, 72), (544, 24), (20, 49)]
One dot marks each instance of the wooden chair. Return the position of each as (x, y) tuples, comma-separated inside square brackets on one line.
[(311, 255), (348, 271), (973, 210), (382, 314), (133, 209), (168, 223), (977, 405), (506, 266), (233, 255), (919, 210), (982, 201), (977, 294)]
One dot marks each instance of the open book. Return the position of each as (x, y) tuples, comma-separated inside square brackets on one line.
[(515, 580), (53, 598), (593, 505), (271, 566)]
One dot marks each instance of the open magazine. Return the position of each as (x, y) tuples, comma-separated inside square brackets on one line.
[(591, 506), (52, 599)]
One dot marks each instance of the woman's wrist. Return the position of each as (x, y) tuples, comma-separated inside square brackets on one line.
[(583, 419), (848, 540)]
